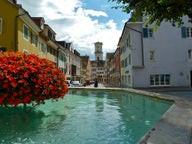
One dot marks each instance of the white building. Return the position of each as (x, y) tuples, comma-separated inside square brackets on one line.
[(72, 62), (156, 58)]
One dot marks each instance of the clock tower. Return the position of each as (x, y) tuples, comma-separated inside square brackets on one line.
[(98, 51)]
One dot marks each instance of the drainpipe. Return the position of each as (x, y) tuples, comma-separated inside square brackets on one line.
[(16, 30), (141, 42)]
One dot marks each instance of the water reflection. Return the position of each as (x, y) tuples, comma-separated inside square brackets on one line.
[(134, 114), (16, 118), (83, 116), (20, 126)]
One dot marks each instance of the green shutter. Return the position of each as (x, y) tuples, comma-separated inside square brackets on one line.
[(65, 59), (183, 32), (145, 32)]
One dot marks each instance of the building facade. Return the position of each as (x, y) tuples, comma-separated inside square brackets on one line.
[(18, 31), (21, 32), (85, 68), (161, 58), (107, 66), (73, 61), (115, 77)]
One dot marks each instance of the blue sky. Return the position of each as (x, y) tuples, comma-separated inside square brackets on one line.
[(82, 22)]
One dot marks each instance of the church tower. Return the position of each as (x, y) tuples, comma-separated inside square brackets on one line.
[(98, 51)]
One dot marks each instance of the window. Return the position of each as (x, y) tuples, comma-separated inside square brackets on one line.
[(42, 47), (189, 31), (61, 57), (126, 78), (190, 54), (129, 79), (48, 49), (126, 62), (1, 25), (122, 63), (151, 55), (129, 59), (34, 39), (25, 32), (124, 47), (147, 33), (128, 41), (160, 80), (186, 32)]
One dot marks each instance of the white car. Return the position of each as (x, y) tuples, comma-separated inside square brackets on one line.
[(76, 83)]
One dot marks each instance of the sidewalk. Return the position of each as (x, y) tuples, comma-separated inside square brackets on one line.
[(100, 85), (182, 92)]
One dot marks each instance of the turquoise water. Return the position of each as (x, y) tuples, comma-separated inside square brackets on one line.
[(83, 117)]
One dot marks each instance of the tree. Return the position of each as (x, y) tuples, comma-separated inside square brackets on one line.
[(26, 79), (157, 11)]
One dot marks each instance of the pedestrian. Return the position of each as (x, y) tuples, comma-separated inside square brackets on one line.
[(96, 83)]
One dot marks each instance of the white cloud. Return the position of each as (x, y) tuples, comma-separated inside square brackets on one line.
[(95, 13), (74, 24)]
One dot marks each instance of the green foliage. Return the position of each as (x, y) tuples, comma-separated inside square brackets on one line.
[(157, 11)]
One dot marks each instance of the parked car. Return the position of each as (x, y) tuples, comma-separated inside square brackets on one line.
[(68, 83), (76, 83), (86, 83)]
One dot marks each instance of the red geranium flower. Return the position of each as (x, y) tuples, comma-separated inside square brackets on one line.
[(29, 79)]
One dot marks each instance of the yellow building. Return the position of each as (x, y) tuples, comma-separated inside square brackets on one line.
[(52, 46), (18, 32), (21, 32), (42, 39), (8, 14), (27, 33)]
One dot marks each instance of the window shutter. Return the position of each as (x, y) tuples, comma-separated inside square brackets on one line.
[(145, 32), (65, 59), (31, 37), (36, 41), (183, 32)]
